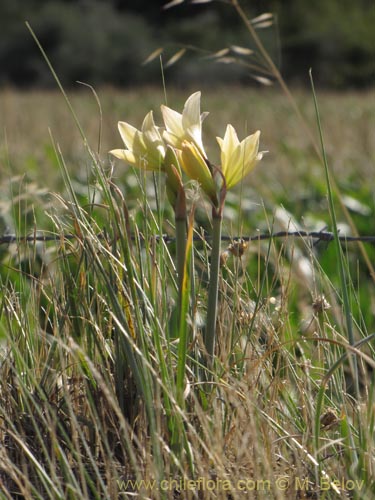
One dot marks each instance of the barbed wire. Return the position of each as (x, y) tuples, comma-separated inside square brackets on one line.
[(318, 236)]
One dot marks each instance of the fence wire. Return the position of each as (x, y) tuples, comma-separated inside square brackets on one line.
[(317, 236)]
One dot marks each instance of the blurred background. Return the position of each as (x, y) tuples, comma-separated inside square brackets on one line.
[(105, 42)]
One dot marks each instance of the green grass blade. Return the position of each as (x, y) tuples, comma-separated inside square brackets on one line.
[(339, 252)]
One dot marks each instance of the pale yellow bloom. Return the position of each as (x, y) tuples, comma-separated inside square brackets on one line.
[(145, 147), (238, 158), (195, 166), (186, 126)]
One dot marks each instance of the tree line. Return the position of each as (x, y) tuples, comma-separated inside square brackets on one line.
[(106, 41)]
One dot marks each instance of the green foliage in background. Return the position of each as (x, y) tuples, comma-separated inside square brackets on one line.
[(335, 38), (102, 42)]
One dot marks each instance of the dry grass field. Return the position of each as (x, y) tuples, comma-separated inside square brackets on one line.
[(90, 404)]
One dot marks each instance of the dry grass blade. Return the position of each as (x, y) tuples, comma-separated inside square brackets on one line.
[(226, 60), (156, 53), (263, 80), (263, 21), (219, 53), (177, 56), (243, 51), (173, 3)]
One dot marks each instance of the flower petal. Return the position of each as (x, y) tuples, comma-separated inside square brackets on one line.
[(230, 138), (204, 115), (191, 114), (250, 145), (153, 142), (247, 159), (186, 126), (125, 155), (238, 158), (195, 166), (127, 133), (228, 146), (192, 121), (172, 120), (148, 125)]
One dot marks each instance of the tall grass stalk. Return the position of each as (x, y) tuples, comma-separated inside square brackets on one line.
[(339, 253), (124, 316), (178, 437), (212, 302)]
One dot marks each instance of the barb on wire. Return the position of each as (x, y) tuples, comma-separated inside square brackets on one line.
[(326, 236)]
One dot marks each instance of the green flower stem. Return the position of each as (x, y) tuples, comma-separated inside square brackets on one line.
[(184, 283), (180, 253), (210, 332), (181, 222)]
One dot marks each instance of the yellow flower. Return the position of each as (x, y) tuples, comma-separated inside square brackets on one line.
[(145, 147), (186, 126), (238, 158), (195, 166)]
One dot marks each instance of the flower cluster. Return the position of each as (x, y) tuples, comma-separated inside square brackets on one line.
[(178, 146)]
